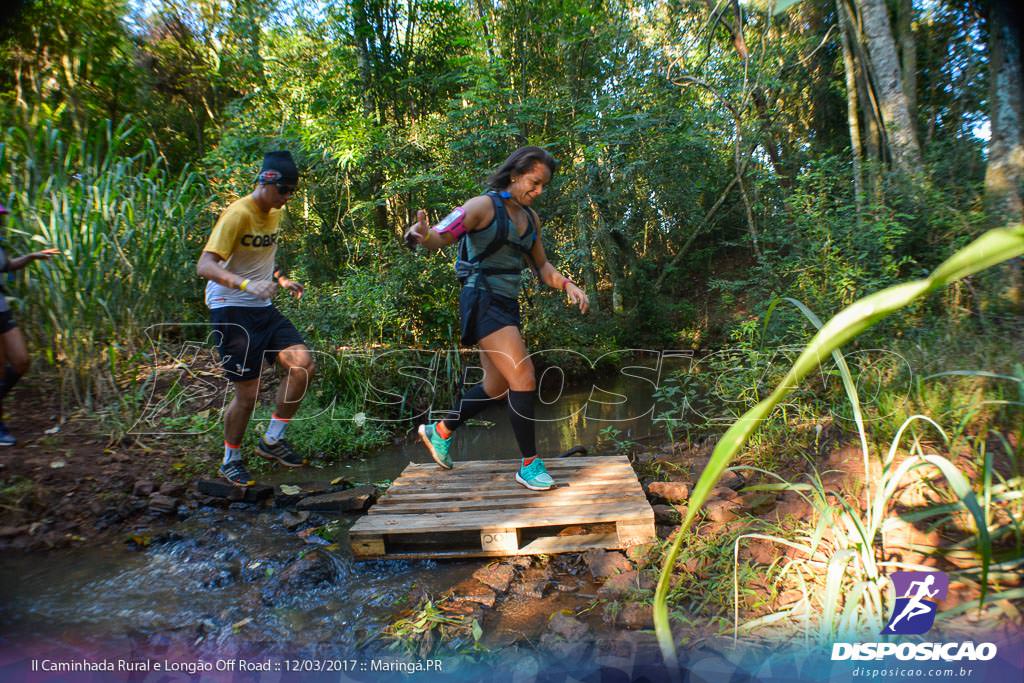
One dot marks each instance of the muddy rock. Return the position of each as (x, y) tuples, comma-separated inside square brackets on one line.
[(635, 615), (305, 489), (292, 520), (627, 582), (472, 590), (162, 505), (533, 582), (566, 651), (666, 532), (671, 491), (605, 563), (615, 646), (174, 489), (350, 500), (498, 576), (568, 626), (143, 488), (665, 514), (220, 489), (307, 572)]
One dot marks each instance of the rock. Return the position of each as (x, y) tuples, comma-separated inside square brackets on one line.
[(665, 514), (721, 510), (666, 532), (642, 554), (258, 493), (174, 489), (307, 572), (696, 565), (757, 502), (521, 561), (671, 491), (162, 505), (566, 652), (497, 576), (789, 597), (220, 489), (569, 627), (604, 563), (635, 615), (472, 590), (732, 480), (793, 505), (534, 582), (758, 551), (143, 488), (305, 489), (723, 492), (615, 646), (292, 520), (349, 500), (625, 583)]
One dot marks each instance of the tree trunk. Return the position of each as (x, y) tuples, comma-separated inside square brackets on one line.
[(1005, 169), (908, 57), (851, 108), (899, 128)]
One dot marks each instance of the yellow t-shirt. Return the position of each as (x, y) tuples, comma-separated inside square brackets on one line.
[(245, 239)]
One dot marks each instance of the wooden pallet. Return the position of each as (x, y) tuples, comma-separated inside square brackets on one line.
[(478, 510)]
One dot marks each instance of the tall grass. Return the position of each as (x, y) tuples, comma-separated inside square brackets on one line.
[(128, 231), (990, 249)]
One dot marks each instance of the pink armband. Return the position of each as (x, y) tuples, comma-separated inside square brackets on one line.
[(452, 223)]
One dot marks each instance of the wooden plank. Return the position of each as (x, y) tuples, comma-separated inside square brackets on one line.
[(508, 503), (635, 532), (509, 488), (548, 545), (505, 466), (505, 540), (455, 521), (468, 465), (369, 546), (452, 482)]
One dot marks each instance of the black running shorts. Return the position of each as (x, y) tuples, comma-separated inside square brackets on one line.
[(482, 313), (245, 335), (7, 322)]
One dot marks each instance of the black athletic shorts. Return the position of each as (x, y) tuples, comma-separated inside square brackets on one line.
[(7, 322), (482, 313), (245, 335)]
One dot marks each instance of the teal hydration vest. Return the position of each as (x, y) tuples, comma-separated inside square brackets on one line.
[(493, 258)]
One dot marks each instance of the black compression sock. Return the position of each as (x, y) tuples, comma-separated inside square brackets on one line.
[(471, 403), (520, 414), (10, 378)]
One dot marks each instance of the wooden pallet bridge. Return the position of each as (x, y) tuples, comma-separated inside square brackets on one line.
[(478, 510)]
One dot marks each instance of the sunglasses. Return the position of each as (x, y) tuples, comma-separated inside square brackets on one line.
[(286, 189)]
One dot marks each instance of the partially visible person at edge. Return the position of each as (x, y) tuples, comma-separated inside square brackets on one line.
[(13, 352), (498, 234), (238, 261)]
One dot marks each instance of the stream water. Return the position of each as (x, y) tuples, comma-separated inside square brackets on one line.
[(220, 578)]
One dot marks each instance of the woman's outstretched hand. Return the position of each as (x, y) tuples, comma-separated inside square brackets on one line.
[(417, 232), (577, 296)]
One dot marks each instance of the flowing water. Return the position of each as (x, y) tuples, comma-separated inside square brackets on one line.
[(221, 577)]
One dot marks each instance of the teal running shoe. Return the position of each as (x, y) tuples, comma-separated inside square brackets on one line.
[(535, 476), (437, 446)]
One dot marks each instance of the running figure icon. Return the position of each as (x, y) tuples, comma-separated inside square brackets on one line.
[(918, 595)]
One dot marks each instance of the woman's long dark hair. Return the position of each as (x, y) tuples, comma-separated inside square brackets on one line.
[(519, 162)]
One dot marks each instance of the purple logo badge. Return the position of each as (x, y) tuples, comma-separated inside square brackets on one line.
[(916, 596)]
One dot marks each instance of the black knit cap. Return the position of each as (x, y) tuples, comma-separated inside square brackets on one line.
[(279, 167)]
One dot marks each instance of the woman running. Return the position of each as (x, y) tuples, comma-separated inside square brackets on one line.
[(13, 352), (498, 233)]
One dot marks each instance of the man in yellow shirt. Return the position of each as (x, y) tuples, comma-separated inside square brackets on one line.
[(238, 262)]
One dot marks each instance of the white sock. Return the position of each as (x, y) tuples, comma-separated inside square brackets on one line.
[(275, 430), (232, 452)]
